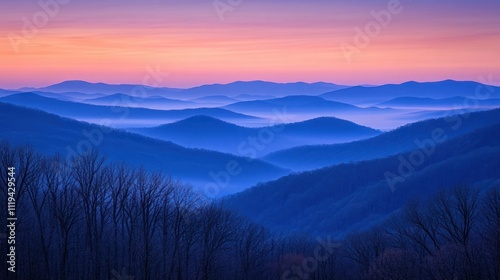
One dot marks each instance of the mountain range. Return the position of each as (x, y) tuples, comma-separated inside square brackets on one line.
[(382, 107), (259, 88), (362, 95), (102, 88), (316, 167)]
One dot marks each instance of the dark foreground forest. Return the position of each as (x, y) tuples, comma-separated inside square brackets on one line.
[(95, 219)]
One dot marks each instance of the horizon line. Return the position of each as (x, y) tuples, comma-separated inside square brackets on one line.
[(251, 81)]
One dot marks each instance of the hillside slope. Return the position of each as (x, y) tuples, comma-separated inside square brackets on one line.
[(119, 116), (53, 134), (403, 139), (350, 197), (210, 133)]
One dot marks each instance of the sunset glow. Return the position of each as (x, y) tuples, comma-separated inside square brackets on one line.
[(281, 41)]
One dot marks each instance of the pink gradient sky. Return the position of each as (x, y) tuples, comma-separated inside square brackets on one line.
[(283, 41)]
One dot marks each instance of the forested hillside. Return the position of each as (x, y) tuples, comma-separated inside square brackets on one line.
[(106, 220), (355, 196)]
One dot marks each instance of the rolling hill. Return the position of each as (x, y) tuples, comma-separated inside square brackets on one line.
[(304, 107), (252, 97), (351, 197), (300, 108), (260, 88), (452, 102), (116, 116), (215, 99), (153, 102), (300, 103), (442, 89), (210, 133), (89, 88), (51, 134), (399, 140), (228, 90), (4, 92)]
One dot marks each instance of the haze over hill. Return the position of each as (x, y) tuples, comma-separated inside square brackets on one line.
[(53, 134), (215, 100), (303, 100), (210, 133), (301, 107), (294, 104), (116, 116), (399, 140), (153, 102), (444, 103)]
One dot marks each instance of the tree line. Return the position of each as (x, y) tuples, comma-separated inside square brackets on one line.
[(106, 220)]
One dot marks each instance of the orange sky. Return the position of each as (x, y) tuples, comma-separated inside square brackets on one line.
[(257, 40)]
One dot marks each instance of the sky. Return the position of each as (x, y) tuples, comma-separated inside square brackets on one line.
[(194, 42)]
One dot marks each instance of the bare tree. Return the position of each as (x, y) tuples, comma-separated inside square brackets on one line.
[(217, 230), (178, 230), (252, 249), (395, 264), (490, 231), (38, 196), (120, 189), (152, 190), (90, 176), (131, 216), (455, 212), (364, 248), (64, 206), (419, 227)]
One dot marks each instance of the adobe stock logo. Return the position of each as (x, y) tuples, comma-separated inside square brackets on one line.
[(223, 6), (31, 26)]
